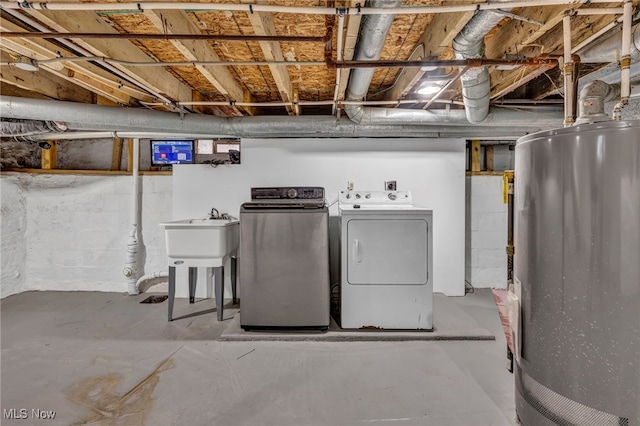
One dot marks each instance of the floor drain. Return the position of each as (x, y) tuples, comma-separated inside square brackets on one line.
[(155, 299)]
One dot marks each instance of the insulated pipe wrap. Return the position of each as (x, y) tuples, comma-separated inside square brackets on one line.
[(373, 32), (476, 84), (387, 121)]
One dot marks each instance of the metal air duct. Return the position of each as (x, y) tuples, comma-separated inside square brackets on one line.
[(86, 117), (373, 32), (476, 83)]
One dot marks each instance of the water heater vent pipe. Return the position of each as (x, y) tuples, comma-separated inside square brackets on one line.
[(592, 99)]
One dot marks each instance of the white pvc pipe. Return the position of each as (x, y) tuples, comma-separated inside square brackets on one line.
[(287, 9), (606, 11), (625, 61), (568, 70), (158, 274), (625, 87), (131, 268), (339, 43)]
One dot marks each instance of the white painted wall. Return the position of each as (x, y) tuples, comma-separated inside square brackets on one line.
[(69, 232), (486, 232), (433, 170)]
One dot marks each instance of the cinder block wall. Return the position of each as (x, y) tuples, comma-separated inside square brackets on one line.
[(486, 232)]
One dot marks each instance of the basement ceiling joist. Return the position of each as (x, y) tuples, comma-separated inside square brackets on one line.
[(535, 28)]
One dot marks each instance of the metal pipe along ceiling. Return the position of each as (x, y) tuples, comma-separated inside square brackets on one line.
[(441, 123), (373, 32), (470, 44)]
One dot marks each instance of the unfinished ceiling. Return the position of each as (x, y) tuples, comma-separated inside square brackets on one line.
[(236, 58)]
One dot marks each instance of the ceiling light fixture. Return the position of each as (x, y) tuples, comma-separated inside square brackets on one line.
[(429, 90), (26, 64)]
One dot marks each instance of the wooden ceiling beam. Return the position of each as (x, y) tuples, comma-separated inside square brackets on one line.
[(43, 50), (263, 24), (156, 79), (515, 37), (44, 83), (349, 42), (68, 75), (87, 75), (178, 22), (517, 78)]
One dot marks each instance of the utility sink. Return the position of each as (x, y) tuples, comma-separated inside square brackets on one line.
[(201, 239)]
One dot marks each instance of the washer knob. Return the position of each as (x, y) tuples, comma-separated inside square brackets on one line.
[(392, 196), (292, 193), (358, 196)]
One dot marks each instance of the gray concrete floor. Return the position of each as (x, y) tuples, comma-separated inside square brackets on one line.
[(103, 358)]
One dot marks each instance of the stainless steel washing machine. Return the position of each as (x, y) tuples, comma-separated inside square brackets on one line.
[(284, 259)]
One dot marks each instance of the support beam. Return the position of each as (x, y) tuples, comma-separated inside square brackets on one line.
[(44, 83), (488, 157), (129, 155), (517, 78), (117, 154), (474, 152), (263, 25), (350, 39), (156, 79), (86, 75), (248, 97), (50, 156), (178, 22)]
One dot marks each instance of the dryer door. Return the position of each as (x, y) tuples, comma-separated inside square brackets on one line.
[(387, 251)]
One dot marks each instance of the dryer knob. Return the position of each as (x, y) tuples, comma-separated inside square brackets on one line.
[(292, 193), (392, 196)]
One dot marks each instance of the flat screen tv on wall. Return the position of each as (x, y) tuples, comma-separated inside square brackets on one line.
[(168, 152)]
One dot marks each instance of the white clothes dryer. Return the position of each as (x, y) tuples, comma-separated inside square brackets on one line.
[(386, 261)]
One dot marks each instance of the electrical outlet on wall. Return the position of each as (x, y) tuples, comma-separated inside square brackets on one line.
[(390, 185)]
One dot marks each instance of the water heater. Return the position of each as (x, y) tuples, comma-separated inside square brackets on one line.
[(577, 275)]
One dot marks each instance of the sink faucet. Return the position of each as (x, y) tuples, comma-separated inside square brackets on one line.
[(215, 214)]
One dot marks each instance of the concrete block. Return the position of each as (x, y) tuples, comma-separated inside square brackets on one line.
[(488, 239), (488, 258), (492, 221), (489, 277)]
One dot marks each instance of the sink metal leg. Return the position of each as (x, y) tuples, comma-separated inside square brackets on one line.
[(193, 278), (234, 277), (219, 290), (172, 290)]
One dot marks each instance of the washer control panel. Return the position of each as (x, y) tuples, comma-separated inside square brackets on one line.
[(288, 192), (375, 197)]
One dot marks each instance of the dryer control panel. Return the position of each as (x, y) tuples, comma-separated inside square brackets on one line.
[(376, 198)]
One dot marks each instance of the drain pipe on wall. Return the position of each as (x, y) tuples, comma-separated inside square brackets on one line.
[(131, 269), (159, 274)]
